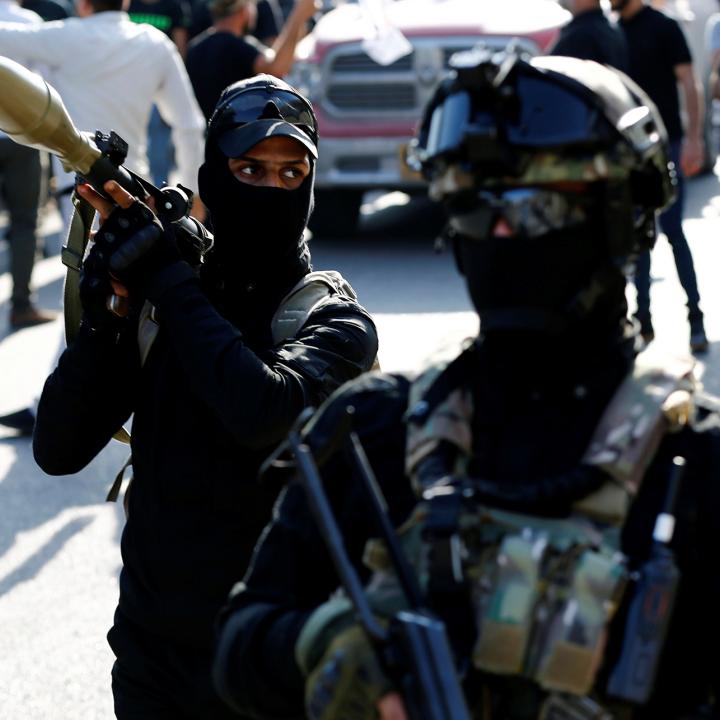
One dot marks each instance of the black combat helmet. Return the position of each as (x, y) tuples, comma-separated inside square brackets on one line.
[(556, 168)]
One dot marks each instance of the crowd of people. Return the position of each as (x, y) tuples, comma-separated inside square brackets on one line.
[(526, 493)]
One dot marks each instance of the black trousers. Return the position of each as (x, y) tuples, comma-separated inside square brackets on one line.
[(21, 172), (157, 679)]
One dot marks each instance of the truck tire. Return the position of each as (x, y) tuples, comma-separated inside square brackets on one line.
[(336, 213)]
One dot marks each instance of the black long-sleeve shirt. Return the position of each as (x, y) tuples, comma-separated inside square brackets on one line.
[(206, 409)]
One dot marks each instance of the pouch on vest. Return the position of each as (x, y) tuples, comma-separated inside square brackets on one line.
[(544, 596)]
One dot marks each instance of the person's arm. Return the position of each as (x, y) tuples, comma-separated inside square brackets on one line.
[(279, 59), (179, 109), (291, 575), (179, 36), (45, 44), (714, 79), (86, 400), (255, 668), (677, 51), (181, 22), (693, 149), (257, 400)]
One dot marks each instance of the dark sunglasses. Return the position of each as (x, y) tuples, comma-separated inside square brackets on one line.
[(258, 103), (530, 212)]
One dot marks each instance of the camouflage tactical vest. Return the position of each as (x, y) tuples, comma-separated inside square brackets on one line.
[(543, 590)]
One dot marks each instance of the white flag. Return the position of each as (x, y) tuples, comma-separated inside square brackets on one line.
[(384, 43)]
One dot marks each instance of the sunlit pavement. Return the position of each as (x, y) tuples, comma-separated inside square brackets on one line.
[(59, 555)]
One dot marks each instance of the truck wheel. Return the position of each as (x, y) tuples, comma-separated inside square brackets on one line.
[(336, 213)]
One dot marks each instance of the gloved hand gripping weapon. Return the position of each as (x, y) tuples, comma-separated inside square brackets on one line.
[(32, 113), (414, 649)]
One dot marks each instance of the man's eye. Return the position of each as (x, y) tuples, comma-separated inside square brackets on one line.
[(248, 170), (292, 173)]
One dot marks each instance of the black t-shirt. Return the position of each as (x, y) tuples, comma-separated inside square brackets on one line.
[(165, 15), (216, 60), (50, 9), (267, 25), (590, 36), (657, 45)]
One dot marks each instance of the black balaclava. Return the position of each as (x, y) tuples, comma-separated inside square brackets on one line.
[(259, 251), (531, 294)]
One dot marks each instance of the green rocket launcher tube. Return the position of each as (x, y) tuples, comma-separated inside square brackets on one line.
[(33, 114)]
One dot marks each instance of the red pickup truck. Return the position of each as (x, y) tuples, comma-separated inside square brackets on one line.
[(367, 112)]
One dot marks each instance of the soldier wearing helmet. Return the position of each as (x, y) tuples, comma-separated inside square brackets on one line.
[(215, 360), (524, 474)]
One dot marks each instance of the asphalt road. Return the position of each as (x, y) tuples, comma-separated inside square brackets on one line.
[(59, 556)]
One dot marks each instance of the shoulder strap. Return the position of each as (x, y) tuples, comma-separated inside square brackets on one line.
[(656, 398), (440, 409), (73, 252), (442, 381), (309, 293), (147, 330)]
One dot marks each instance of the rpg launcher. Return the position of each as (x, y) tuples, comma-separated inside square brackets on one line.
[(32, 113), (414, 650)]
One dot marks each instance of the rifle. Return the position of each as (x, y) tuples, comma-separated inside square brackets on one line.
[(32, 113), (414, 649)]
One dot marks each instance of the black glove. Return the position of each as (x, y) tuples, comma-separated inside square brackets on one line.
[(135, 246), (95, 291)]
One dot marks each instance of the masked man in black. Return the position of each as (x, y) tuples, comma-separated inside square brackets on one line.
[(527, 473), (215, 360)]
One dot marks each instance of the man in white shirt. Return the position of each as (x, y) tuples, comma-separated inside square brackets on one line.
[(20, 183), (109, 71)]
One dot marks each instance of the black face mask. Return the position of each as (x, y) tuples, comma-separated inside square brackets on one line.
[(559, 283), (258, 230)]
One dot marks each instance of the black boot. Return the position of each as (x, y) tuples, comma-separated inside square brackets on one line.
[(698, 338), (647, 332)]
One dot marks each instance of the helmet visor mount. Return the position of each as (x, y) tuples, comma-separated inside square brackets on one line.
[(549, 116)]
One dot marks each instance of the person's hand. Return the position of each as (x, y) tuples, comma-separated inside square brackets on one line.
[(131, 240), (391, 707), (691, 158), (198, 209), (349, 683), (96, 289)]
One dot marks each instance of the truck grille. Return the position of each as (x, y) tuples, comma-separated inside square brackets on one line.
[(360, 62), (390, 96), (355, 86)]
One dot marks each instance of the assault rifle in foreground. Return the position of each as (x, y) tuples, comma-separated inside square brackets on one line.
[(414, 649)]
